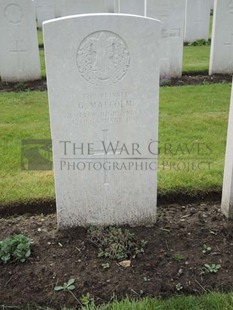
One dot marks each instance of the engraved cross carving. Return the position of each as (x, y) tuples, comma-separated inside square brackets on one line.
[(19, 50), (229, 45), (103, 153)]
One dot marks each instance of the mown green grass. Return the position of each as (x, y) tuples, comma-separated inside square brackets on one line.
[(188, 115), (42, 63), (40, 36), (211, 301), (196, 59), (23, 116)]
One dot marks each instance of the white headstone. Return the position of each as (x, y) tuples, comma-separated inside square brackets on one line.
[(227, 191), (73, 7), (197, 20), (107, 95), (221, 55), (110, 6), (45, 10), (59, 8), (211, 4), (172, 15), (19, 52), (136, 7)]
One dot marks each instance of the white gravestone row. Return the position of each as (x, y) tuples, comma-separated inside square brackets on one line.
[(104, 117), (19, 52), (197, 20), (172, 15), (73, 7), (45, 10), (227, 192), (221, 55), (135, 7)]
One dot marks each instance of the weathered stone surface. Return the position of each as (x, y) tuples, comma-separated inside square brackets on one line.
[(19, 52), (197, 20), (104, 117), (221, 55), (172, 15), (227, 192)]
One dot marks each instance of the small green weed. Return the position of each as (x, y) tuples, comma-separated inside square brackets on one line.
[(179, 287), (200, 42), (87, 300), (213, 268), (206, 249), (178, 257), (115, 243), (67, 286), (105, 265), (16, 248)]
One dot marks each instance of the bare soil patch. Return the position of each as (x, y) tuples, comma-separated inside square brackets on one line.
[(201, 78), (173, 255)]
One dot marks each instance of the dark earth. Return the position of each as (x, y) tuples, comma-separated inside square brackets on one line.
[(201, 78), (173, 256)]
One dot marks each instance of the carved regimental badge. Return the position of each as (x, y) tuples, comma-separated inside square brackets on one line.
[(103, 58)]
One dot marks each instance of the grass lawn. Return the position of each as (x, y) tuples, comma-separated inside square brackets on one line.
[(190, 117), (42, 63), (196, 58), (40, 36), (212, 301)]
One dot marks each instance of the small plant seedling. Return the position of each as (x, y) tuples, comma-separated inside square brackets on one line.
[(16, 247), (200, 42), (67, 286), (206, 249), (115, 243), (105, 265), (179, 287), (87, 300), (213, 268), (179, 257)]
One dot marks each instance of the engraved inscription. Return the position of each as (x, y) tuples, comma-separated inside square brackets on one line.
[(13, 13), (175, 33), (164, 20), (103, 58), (99, 108)]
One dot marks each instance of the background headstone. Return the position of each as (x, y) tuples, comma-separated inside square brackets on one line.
[(45, 10), (59, 8), (110, 6), (197, 20), (211, 4), (136, 7), (19, 59), (227, 192), (73, 7), (172, 15), (221, 55), (108, 91)]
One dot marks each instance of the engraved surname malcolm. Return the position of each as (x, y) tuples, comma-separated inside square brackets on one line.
[(103, 58)]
